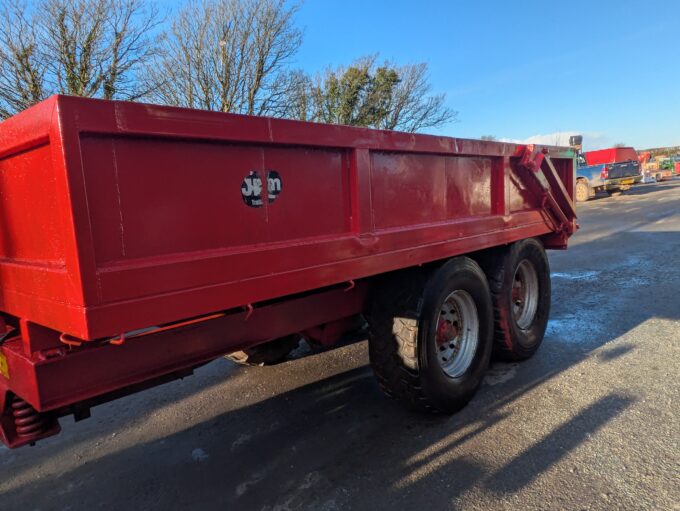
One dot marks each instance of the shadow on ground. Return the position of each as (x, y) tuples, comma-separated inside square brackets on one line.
[(316, 447), (322, 444), (643, 189), (640, 189)]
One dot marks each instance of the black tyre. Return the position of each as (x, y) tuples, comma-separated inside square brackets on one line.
[(269, 353), (430, 335), (519, 277), (582, 191)]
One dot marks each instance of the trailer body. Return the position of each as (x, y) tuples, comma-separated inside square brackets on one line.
[(139, 241)]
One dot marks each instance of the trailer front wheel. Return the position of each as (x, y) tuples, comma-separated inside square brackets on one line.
[(431, 335)]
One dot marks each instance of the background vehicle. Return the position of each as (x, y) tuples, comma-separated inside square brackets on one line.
[(660, 169), (139, 242), (612, 170), (612, 178), (667, 168)]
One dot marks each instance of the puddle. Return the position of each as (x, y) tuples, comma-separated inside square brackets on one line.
[(199, 455), (579, 329), (243, 439), (577, 275), (251, 481), (633, 281)]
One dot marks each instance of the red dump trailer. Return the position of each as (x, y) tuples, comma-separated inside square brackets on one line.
[(138, 242)]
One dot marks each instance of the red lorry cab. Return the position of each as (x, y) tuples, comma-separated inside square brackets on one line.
[(611, 155)]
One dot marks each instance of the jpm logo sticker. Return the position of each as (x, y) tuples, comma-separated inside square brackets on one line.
[(251, 188)]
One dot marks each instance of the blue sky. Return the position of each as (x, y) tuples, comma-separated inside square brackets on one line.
[(521, 69)]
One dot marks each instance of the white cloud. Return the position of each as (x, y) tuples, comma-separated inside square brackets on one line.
[(591, 140)]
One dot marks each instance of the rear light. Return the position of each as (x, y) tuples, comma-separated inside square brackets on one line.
[(605, 173)]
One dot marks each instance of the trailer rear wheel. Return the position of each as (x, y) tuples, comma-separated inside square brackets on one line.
[(431, 334), (269, 353), (519, 278)]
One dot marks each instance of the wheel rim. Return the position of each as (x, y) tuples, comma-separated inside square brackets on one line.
[(457, 334), (525, 294)]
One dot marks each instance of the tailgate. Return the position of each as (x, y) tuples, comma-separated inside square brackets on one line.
[(624, 169)]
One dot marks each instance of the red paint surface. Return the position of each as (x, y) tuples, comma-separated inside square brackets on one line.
[(119, 216), (611, 155)]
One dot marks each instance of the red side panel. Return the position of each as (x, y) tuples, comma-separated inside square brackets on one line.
[(411, 189), (408, 189), (38, 260), (31, 218), (152, 198)]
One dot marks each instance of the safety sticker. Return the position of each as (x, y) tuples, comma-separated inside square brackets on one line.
[(4, 368), (252, 188)]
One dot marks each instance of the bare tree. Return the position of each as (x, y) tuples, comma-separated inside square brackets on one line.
[(412, 107), (97, 47), (93, 48), (557, 139), (367, 94), (227, 55), (22, 66), (491, 138), (358, 95)]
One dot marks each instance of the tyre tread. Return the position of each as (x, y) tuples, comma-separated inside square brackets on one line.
[(495, 267), (390, 337)]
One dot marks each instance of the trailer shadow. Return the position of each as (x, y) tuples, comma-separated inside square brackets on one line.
[(129, 412), (644, 189), (337, 442), (641, 190), (324, 445)]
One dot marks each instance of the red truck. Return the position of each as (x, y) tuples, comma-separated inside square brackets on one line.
[(613, 170), (139, 242)]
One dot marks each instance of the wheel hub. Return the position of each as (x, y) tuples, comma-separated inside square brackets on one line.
[(457, 333), (524, 294)]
